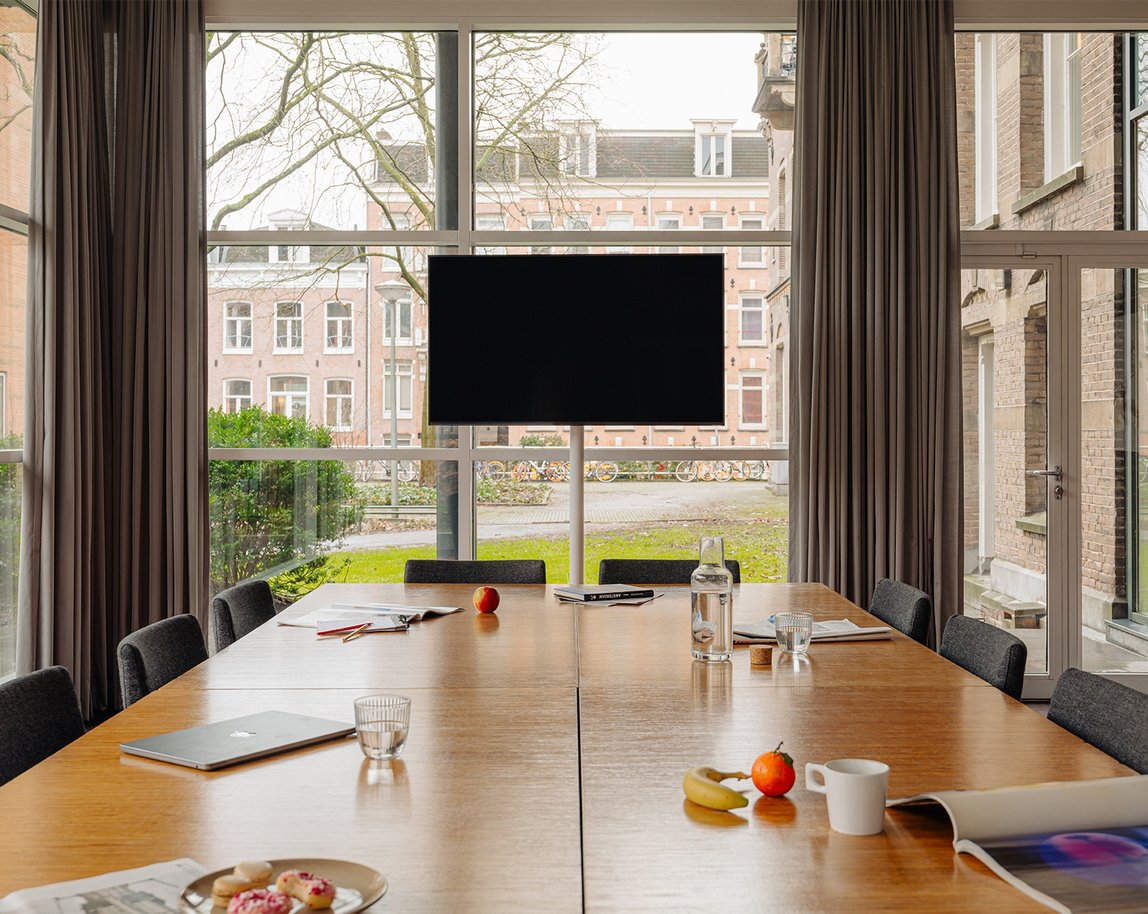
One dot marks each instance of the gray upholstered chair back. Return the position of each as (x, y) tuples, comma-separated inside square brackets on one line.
[(986, 651), (452, 571), (240, 610), (903, 607), (39, 715), (655, 571), (157, 654), (1110, 716)]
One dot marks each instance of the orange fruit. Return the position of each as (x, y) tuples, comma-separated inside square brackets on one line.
[(773, 772)]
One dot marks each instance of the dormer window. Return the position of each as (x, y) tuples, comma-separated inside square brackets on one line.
[(578, 150), (712, 149)]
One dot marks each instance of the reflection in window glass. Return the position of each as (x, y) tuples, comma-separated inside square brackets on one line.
[(236, 395)]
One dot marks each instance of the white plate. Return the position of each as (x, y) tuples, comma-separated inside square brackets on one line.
[(356, 886)]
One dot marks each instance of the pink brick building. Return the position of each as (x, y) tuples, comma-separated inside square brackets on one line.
[(324, 332)]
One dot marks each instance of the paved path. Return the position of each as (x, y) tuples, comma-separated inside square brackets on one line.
[(607, 503)]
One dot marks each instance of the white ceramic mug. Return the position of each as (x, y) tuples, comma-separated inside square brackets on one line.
[(855, 790)]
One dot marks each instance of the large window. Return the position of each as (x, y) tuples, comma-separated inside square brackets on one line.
[(17, 70), (1061, 103), (236, 395), (339, 321), (237, 327), (288, 396), (289, 326), (354, 173)]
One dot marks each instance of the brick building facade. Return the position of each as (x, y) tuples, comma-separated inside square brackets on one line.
[(277, 315)]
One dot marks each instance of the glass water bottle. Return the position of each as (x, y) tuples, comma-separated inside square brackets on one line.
[(711, 603)]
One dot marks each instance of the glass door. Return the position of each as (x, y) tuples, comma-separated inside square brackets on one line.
[(1111, 622), (1015, 485)]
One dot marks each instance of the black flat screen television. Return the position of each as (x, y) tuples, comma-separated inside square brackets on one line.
[(578, 339)]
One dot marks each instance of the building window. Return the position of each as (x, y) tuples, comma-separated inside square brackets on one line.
[(403, 309), (401, 371), (1061, 103), (340, 404), (289, 253), (289, 326), (985, 102), (752, 400), (713, 222), (339, 337), (490, 222), (751, 256), (666, 223), (236, 395), (288, 396), (619, 222), (4, 403), (577, 152), (237, 326), (543, 222), (752, 327), (712, 148), (577, 223), (712, 160)]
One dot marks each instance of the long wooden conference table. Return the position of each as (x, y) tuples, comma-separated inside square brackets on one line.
[(543, 769)]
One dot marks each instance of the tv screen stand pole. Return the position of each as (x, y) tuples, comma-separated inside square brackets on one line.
[(577, 498)]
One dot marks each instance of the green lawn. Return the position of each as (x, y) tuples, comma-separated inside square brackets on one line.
[(759, 544)]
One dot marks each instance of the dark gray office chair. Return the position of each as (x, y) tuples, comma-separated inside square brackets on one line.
[(986, 651), (1110, 716), (157, 654), (240, 610), (903, 607), (655, 571), (451, 571), (39, 716)]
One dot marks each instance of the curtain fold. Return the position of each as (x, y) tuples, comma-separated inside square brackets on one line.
[(875, 454), (114, 527)]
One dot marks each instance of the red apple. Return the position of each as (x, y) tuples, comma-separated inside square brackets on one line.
[(486, 599)]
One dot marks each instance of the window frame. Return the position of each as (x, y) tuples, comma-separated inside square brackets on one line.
[(349, 347), (1062, 104), (404, 374), (745, 374), (277, 348), (228, 397), (742, 310), (228, 320), (349, 397), (290, 394)]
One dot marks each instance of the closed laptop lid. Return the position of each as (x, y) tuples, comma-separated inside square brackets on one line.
[(229, 742)]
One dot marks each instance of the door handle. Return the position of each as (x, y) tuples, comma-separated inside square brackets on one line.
[(1055, 473)]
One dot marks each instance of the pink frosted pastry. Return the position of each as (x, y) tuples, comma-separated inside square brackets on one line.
[(314, 891), (261, 901)]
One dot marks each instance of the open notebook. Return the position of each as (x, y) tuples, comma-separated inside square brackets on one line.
[(381, 616)]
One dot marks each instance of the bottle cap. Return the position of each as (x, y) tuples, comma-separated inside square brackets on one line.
[(761, 656)]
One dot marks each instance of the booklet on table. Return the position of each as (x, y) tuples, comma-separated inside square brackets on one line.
[(1079, 847)]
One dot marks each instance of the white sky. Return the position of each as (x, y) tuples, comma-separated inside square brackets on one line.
[(662, 80)]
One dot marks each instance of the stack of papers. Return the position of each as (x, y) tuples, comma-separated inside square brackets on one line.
[(384, 617), (836, 630)]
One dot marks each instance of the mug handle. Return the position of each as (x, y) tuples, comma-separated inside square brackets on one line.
[(811, 783)]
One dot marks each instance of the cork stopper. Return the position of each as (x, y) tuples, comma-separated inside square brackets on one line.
[(761, 656)]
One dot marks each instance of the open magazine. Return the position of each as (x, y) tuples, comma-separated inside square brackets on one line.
[(382, 616), (835, 630), (1079, 847)]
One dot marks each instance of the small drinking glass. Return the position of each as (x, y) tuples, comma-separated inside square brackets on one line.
[(381, 723), (794, 631)]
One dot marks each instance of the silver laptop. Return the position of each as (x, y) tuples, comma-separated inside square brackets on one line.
[(230, 742)]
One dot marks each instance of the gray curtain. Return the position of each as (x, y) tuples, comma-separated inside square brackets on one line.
[(115, 500), (875, 454)]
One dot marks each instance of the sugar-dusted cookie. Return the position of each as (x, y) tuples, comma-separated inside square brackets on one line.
[(314, 891)]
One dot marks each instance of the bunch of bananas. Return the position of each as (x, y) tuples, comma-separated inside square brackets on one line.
[(703, 786)]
